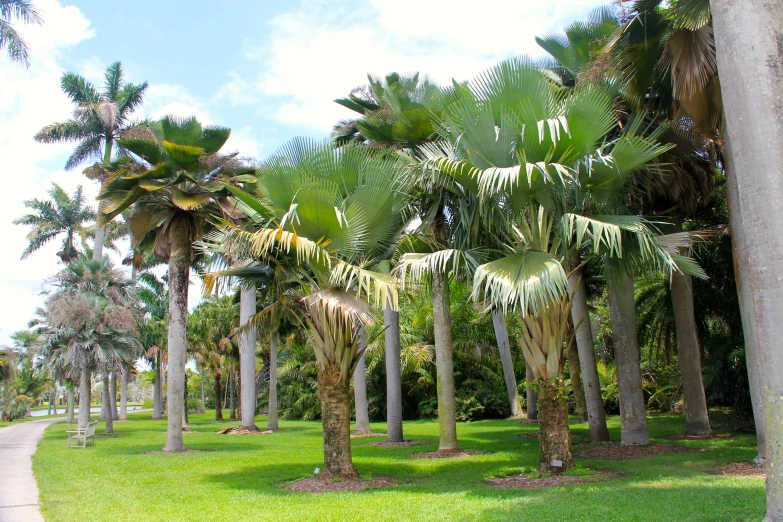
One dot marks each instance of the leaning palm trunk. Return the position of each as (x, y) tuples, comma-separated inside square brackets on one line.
[(124, 392), (247, 355), (504, 348), (106, 400), (271, 419), (596, 417), (576, 380), (179, 272), (444, 360), (360, 390), (752, 349), (749, 45), (542, 341), (85, 388), (391, 321), (633, 420)]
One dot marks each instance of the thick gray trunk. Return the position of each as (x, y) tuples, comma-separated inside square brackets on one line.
[(444, 361), (106, 400), (633, 420), (70, 407), (85, 389), (572, 354), (752, 348), (391, 321), (271, 420), (697, 419), (124, 392), (247, 354), (100, 239), (596, 417), (157, 391), (179, 273), (360, 389), (113, 395), (749, 46), (504, 348), (530, 394)]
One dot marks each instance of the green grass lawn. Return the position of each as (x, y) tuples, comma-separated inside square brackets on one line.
[(243, 477)]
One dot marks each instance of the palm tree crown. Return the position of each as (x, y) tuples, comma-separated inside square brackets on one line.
[(24, 11)]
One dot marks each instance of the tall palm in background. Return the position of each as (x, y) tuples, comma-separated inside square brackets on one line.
[(174, 186), (61, 215), (100, 118), (153, 295), (10, 39)]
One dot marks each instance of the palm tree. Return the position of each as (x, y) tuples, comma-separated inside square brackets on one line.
[(748, 43), (174, 187), (90, 324), (100, 118), (324, 213), (548, 158), (62, 214), (153, 294), (24, 11)]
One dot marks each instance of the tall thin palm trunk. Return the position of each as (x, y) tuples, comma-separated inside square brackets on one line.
[(391, 321), (51, 403), (179, 273), (70, 407), (247, 355), (271, 419), (100, 231), (444, 361), (596, 417), (157, 390), (218, 398), (633, 420), (530, 394), (232, 384), (749, 46), (572, 354), (85, 389), (360, 390), (106, 400), (124, 391), (113, 395), (504, 348)]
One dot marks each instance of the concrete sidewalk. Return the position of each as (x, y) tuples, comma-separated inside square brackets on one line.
[(18, 490)]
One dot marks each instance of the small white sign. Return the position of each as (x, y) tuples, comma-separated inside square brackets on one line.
[(557, 463), (318, 470)]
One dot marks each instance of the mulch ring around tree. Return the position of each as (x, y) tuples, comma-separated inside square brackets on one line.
[(183, 452), (533, 481), (239, 430), (448, 454), (366, 434), (699, 437), (401, 444), (614, 451), (741, 469), (320, 485)]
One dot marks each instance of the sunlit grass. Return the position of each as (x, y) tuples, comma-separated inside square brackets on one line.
[(243, 477)]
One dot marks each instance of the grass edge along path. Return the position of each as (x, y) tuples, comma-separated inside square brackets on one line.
[(245, 477)]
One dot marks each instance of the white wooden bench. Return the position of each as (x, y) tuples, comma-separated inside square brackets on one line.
[(82, 436)]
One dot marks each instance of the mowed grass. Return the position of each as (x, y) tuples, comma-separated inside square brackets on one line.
[(244, 477)]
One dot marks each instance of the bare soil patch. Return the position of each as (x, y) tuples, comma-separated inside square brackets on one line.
[(741, 469), (403, 444), (614, 451), (239, 430), (523, 481), (448, 454), (319, 485), (366, 434)]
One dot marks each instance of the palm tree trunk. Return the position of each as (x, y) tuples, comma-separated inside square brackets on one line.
[(106, 400), (360, 390), (752, 348), (247, 355), (697, 420), (232, 413), (596, 417), (203, 393), (633, 420), (572, 354), (124, 392), (179, 274), (749, 45), (391, 321), (504, 348), (51, 403), (336, 418), (530, 394), (85, 388), (444, 361), (553, 433), (113, 395), (271, 419), (100, 231), (70, 408), (218, 398), (157, 391)]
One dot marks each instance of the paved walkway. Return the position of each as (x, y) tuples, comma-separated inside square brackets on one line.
[(18, 490)]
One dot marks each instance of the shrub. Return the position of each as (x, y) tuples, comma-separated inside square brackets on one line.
[(195, 406)]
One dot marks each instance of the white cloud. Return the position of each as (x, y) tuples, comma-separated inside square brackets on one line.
[(322, 51), (31, 99)]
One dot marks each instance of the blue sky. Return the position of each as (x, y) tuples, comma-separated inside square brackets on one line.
[(268, 70)]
